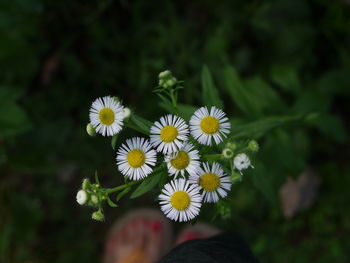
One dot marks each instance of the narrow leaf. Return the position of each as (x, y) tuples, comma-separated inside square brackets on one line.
[(110, 202), (114, 141), (260, 127), (210, 95), (139, 124), (122, 193), (149, 183)]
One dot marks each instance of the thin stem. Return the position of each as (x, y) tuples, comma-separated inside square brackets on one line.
[(121, 187)]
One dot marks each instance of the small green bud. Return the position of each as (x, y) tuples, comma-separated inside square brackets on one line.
[(171, 82), (98, 216), (127, 113), (165, 74), (116, 99), (235, 177), (227, 153), (94, 199), (86, 184), (90, 130), (231, 145), (253, 146), (161, 82)]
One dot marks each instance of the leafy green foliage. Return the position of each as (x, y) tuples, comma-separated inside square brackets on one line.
[(150, 182), (272, 66), (210, 94)]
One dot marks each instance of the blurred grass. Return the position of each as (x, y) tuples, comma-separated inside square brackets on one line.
[(270, 61)]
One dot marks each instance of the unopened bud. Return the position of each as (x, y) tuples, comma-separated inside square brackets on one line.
[(231, 145), (127, 113), (81, 197), (165, 74), (94, 199), (253, 146), (227, 153), (98, 216), (90, 130), (86, 184)]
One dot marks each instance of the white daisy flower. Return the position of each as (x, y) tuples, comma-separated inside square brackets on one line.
[(213, 181), (169, 134), (242, 162), (81, 197), (206, 125), (180, 201), (106, 116), (135, 158), (186, 159)]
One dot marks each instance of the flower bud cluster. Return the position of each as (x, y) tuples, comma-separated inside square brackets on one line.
[(239, 155), (92, 195), (166, 79)]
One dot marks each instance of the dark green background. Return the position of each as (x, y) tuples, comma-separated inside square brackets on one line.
[(56, 57)]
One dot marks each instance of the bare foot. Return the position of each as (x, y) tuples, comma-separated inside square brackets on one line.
[(197, 231), (142, 236)]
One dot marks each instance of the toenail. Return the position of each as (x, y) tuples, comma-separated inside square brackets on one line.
[(190, 236), (156, 226)]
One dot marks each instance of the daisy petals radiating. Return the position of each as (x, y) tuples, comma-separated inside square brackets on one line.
[(106, 116), (209, 125), (136, 158), (180, 201)]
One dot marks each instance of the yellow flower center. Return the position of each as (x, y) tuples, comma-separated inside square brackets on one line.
[(136, 158), (180, 200), (106, 116), (209, 182), (181, 161), (168, 133), (210, 125)]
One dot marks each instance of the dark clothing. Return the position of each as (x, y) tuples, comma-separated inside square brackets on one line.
[(223, 248)]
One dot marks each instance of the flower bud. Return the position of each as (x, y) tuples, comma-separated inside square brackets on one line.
[(171, 82), (116, 99), (127, 113), (253, 146), (81, 197), (165, 74), (98, 216), (86, 184), (94, 199), (90, 130), (227, 153), (242, 162), (231, 145)]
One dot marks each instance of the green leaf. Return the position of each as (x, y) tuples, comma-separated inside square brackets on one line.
[(111, 203), (253, 96), (262, 97), (262, 180), (139, 124), (13, 118), (259, 128), (122, 193), (114, 141), (237, 92), (149, 183), (210, 95), (286, 77)]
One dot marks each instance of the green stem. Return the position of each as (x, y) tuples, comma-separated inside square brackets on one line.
[(214, 157), (121, 187)]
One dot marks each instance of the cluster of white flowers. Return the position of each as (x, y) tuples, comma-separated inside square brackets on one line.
[(180, 199)]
